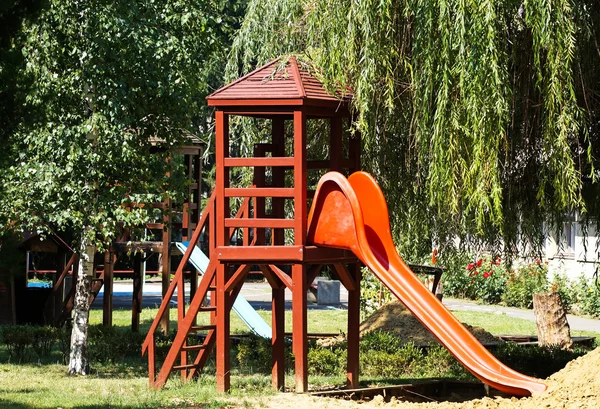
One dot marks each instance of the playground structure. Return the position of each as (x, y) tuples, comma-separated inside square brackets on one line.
[(348, 224), (160, 236)]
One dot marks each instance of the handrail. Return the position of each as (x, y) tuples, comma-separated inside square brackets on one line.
[(167, 297), (244, 210)]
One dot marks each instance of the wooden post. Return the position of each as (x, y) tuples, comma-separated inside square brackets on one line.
[(353, 328), (278, 338), (107, 310), (136, 304), (551, 319), (278, 239), (299, 326), (166, 265), (222, 238), (58, 293)]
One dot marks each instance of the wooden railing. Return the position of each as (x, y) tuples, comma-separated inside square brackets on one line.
[(186, 320)]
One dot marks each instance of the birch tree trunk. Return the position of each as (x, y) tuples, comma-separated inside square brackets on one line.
[(78, 361)]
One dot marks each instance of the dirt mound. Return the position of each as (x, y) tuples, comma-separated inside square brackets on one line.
[(394, 317)]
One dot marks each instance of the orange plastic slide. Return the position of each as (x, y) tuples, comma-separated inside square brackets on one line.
[(352, 214)]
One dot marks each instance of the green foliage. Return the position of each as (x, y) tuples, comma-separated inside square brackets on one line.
[(26, 341), (587, 296), (254, 354), (11, 258), (382, 341), (373, 294), (110, 344), (523, 283), (326, 362), (487, 280), (107, 92), (476, 116), (536, 361)]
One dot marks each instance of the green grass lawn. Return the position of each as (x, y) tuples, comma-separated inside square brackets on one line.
[(125, 385), (319, 321)]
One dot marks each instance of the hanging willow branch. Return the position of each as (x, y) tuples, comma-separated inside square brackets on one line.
[(471, 115)]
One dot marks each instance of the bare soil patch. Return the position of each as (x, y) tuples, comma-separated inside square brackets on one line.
[(395, 318)]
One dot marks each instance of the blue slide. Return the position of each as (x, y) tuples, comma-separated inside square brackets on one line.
[(241, 307)]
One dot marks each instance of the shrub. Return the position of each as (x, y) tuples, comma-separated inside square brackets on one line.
[(44, 339), (439, 363), (109, 344), (381, 341), (536, 361), (373, 294), (401, 363), (18, 339), (523, 283), (456, 281), (586, 293), (254, 354), (324, 361)]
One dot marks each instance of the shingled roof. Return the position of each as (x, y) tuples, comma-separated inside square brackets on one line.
[(273, 84)]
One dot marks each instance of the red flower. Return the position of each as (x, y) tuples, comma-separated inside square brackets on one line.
[(470, 266), (479, 263), (486, 274), (497, 261)]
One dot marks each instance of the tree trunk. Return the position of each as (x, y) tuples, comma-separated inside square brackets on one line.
[(551, 319), (78, 362)]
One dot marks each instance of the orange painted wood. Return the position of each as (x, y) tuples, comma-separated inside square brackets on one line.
[(344, 276), (271, 277), (300, 173), (353, 359), (313, 273), (281, 275), (238, 277), (64, 272), (278, 338), (259, 192), (299, 327), (223, 331), (263, 161), (184, 327), (260, 223), (283, 254)]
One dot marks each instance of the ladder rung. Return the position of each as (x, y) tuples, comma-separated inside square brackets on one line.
[(194, 347), (202, 327), (208, 309), (180, 367)]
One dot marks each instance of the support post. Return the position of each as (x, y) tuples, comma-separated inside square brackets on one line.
[(352, 365), (136, 305), (299, 326), (223, 339), (107, 308), (278, 337), (166, 270), (59, 292)]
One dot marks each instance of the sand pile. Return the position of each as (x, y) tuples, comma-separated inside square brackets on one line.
[(394, 317)]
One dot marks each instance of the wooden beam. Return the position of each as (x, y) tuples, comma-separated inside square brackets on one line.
[(344, 276), (237, 277), (259, 192), (353, 359)]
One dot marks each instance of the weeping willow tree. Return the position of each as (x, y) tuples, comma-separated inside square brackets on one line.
[(479, 119)]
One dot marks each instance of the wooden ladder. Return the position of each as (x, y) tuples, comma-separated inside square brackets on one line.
[(189, 358)]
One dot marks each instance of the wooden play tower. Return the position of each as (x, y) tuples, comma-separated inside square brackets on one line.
[(271, 222)]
